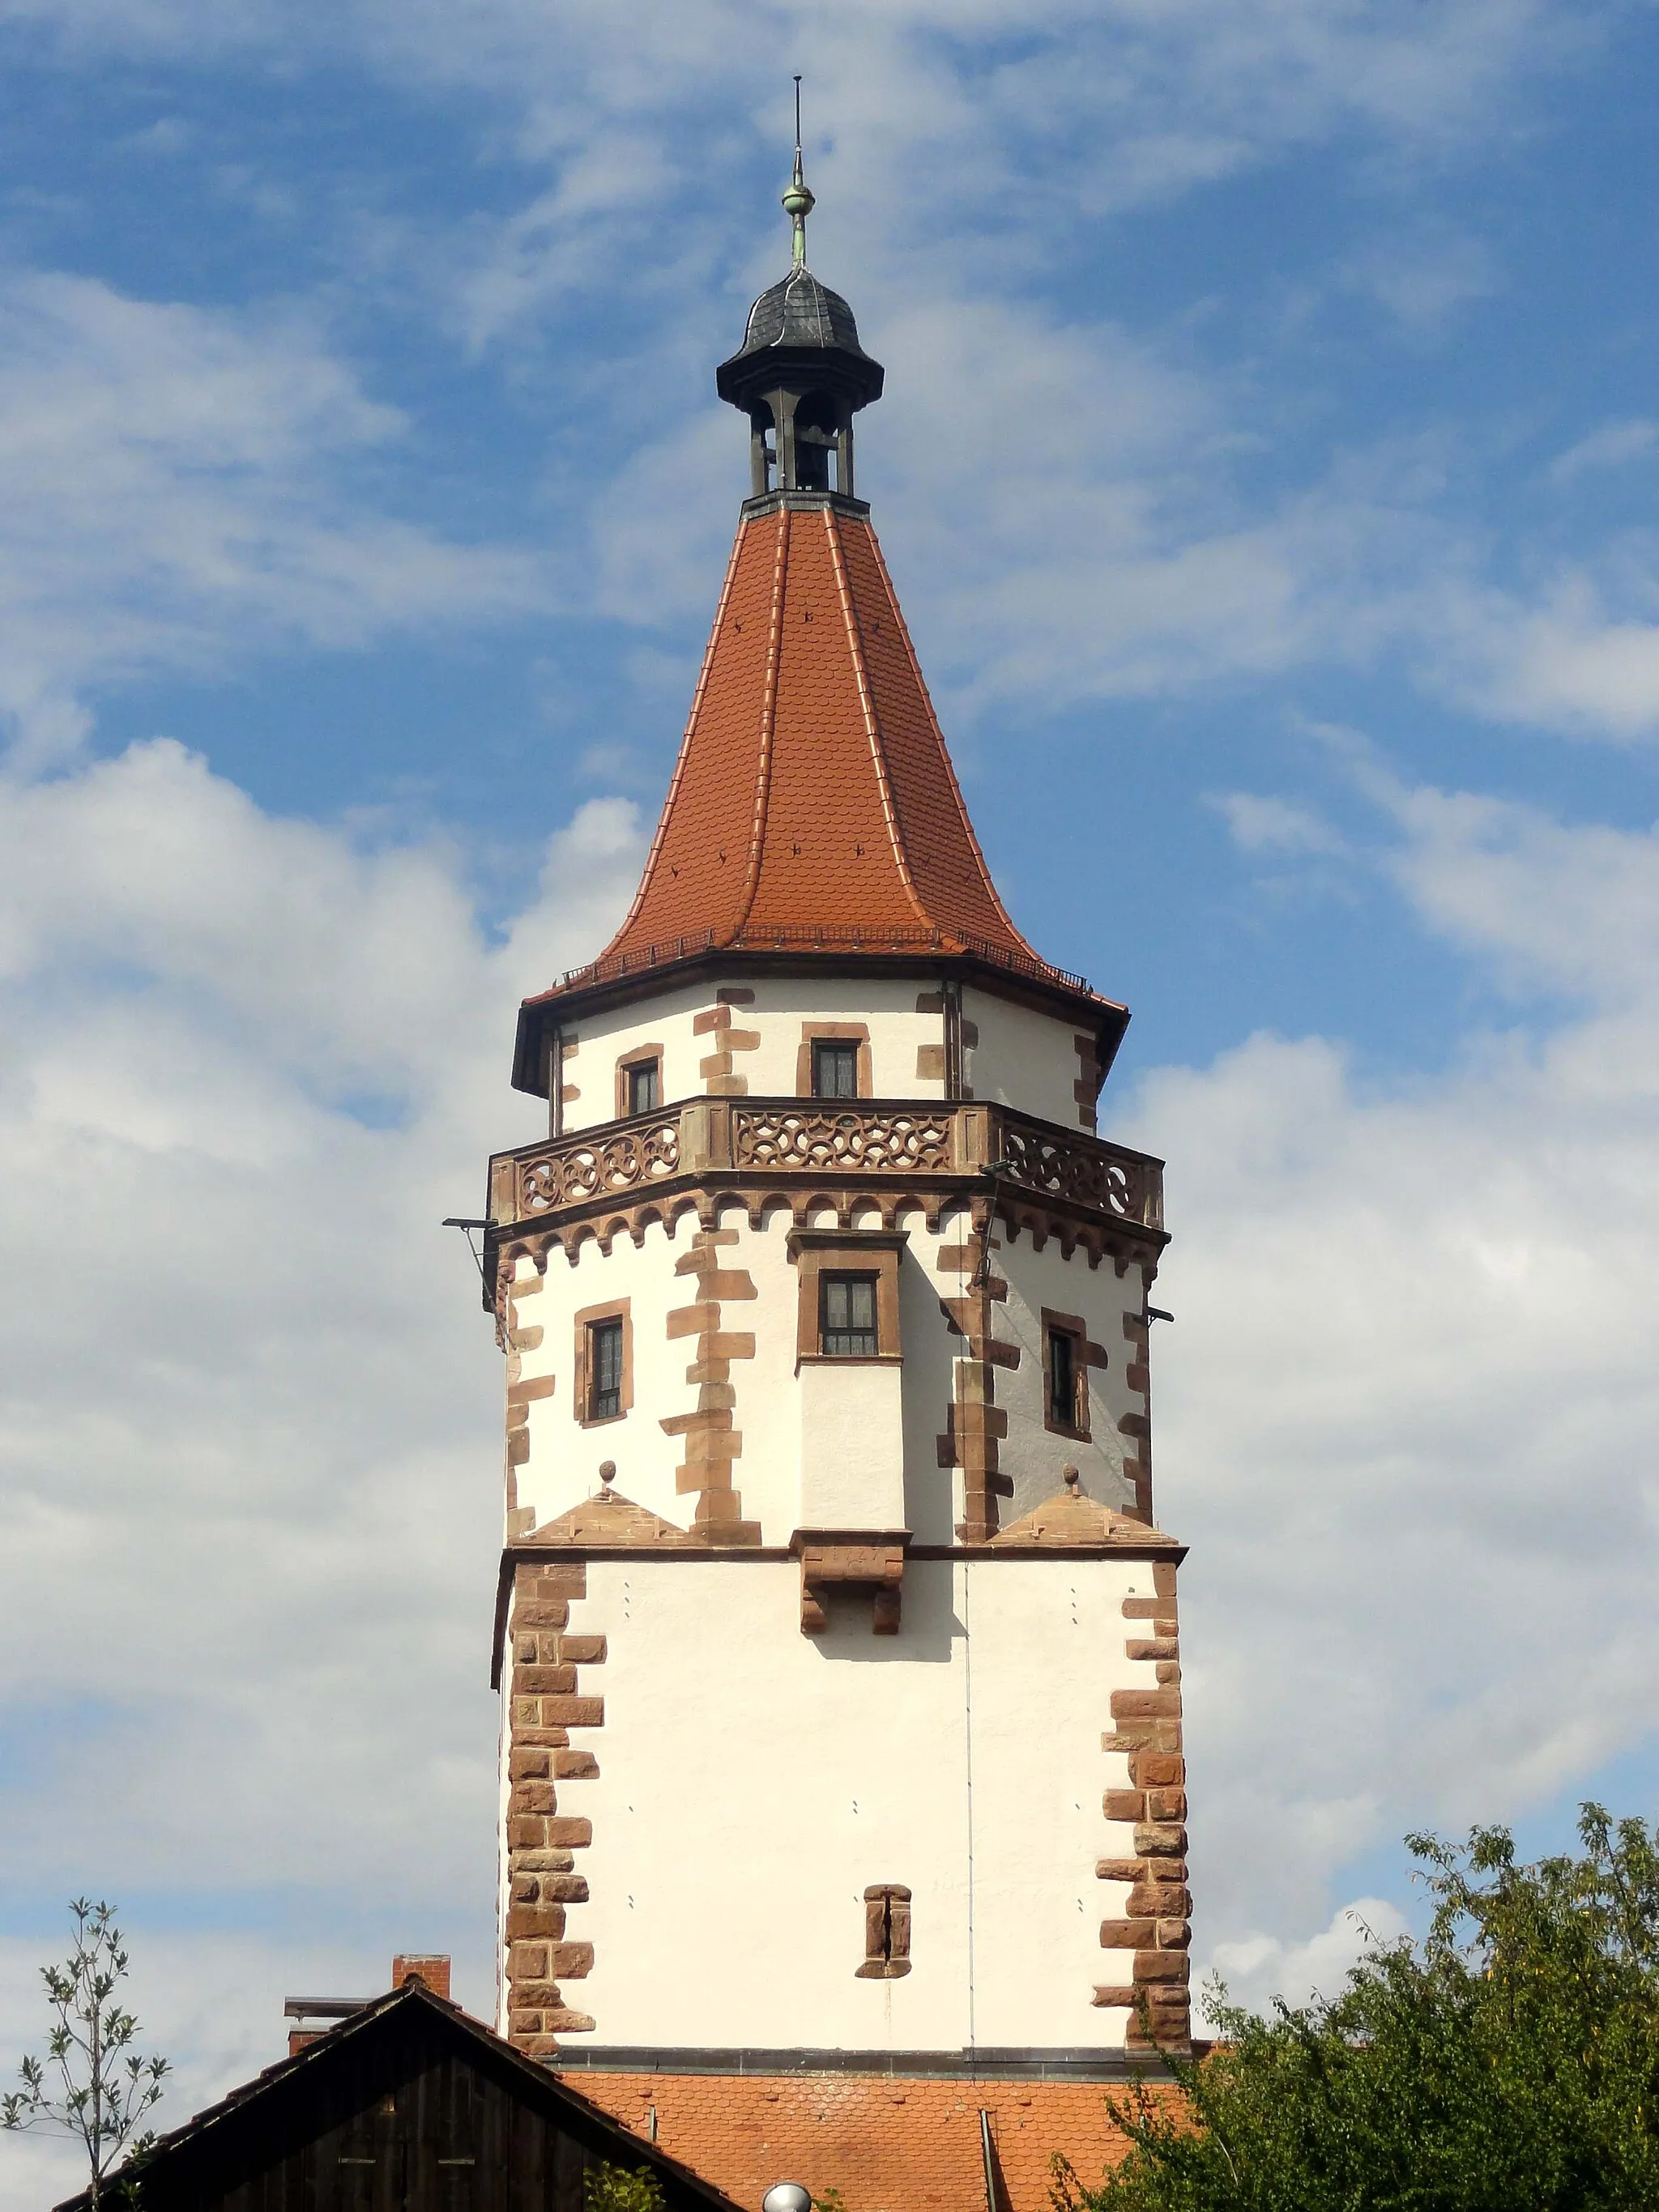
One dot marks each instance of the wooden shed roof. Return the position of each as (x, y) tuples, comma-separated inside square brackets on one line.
[(406, 2104)]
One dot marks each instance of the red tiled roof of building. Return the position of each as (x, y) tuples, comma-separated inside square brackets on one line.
[(888, 2143), (813, 803)]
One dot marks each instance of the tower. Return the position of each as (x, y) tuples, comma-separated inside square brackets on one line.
[(836, 1641)]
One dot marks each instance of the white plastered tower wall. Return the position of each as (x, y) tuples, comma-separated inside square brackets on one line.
[(776, 1410), (1012, 1053), (816, 1768), (681, 1753), (758, 1029), (1019, 1057)]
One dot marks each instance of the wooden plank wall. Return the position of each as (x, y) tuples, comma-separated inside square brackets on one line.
[(403, 2129)]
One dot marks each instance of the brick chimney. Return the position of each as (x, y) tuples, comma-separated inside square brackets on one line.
[(431, 1967)]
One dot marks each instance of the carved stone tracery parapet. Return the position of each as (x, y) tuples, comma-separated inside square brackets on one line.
[(706, 1138), (1082, 1170), (882, 1156), (576, 1169), (859, 1140)]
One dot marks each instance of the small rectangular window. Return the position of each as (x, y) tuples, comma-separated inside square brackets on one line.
[(886, 1932), (644, 1086), (835, 1068), (1066, 1358), (604, 1369), (849, 1317), (1062, 1377)]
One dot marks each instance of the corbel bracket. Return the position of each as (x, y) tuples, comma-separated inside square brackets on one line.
[(850, 1558)]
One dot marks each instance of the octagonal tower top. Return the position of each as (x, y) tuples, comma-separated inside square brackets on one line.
[(814, 816)]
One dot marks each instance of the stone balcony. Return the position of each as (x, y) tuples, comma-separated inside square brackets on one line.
[(927, 1146)]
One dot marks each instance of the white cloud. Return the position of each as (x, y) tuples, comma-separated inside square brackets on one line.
[(1107, 534), (1177, 80), (1065, 513), (1406, 1412), (209, 2002), (934, 108), (1075, 511), (1561, 659), (1256, 1969), (180, 487), (176, 489), (1071, 514), (1552, 907), (1422, 280), (1408, 1407), (252, 1501), (962, 115), (1262, 825), (1608, 446)]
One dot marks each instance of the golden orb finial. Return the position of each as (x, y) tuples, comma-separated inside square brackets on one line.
[(797, 202)]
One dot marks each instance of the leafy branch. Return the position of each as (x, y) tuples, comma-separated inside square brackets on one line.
[(90, 2082), (607, 2188), (1508, 2058)]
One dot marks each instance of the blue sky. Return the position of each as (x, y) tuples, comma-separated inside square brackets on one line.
[(1378, 325), (1267, 469)]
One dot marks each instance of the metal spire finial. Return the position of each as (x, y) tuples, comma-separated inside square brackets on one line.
[(797, 201)]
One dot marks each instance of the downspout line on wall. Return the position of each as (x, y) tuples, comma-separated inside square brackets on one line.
[(968, 1749)]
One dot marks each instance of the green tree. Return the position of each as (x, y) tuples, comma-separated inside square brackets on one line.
[(90, 2082), (1507, 2062), (607, 2188)]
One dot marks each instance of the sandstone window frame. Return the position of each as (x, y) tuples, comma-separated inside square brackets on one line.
[(1084, 1355), (855, 1033), (634, 1061), (886, 1932), (816, 1253), (587, 1320)]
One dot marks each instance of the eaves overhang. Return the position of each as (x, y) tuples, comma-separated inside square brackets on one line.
[(586, 992)]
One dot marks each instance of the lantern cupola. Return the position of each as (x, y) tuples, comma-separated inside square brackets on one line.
[(800, 374)]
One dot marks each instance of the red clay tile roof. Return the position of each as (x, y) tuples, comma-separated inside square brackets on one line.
[(888, 2143), (813, 802)]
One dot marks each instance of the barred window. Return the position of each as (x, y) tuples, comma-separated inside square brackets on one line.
[(1067, 1355), (848, 1316), (1062, 1377), (644, 1086), (835, 1068), (604, 1369)]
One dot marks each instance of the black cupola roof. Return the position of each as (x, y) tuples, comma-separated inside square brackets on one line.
[(801, 311), (800, 324), (798, 328)]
